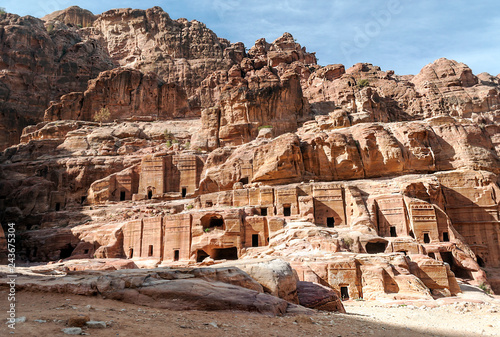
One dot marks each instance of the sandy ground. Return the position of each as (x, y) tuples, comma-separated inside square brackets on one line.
[(46, 315)]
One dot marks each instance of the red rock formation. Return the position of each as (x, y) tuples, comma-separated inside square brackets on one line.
[(73, 15), (126, 93), (340, 171)]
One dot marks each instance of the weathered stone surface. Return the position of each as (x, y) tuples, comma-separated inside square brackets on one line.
[(316, 296), (276, 277), (126, 93), (184, 290), (73, 15)]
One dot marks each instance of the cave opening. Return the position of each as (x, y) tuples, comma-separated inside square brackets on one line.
[(66, 251), (375, 247), (225, 253)]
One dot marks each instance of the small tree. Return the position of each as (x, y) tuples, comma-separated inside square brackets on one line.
[(363, 83), (102, 115), (168, 135), (2, 10)]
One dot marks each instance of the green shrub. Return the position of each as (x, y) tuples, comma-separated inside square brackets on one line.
[(167, 134), (102, 115), (168, 143), (484, 288), (189, 206), (265, 127), (187, 145), (2, 10), (175, 141), (363, 83)]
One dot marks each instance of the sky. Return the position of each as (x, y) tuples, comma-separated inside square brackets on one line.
[(399, 35)]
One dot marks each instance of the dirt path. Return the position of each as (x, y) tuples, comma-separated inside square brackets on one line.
[(363, 319)]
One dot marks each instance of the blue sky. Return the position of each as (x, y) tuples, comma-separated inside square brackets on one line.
[(401, 35)]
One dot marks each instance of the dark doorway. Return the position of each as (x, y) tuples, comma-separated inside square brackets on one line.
[(263, 211), (209, 203), (122, 195), (393, 232), (446, 237), (201, 255), (287, 210), (150, 250), (150, 194), (58, 206), (427, 239), (330, 222), (66, 251), (131, 253), (184, 192), (432, 255), (375, 247), (176, 255), (480, 261), (225, 254), (86, 251), (344, 293), (244, 180), (35, 251), (255, 240)]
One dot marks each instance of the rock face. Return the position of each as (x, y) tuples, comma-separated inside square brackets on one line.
[(126, 93), (73, 15), (371, 184), (39, 66)]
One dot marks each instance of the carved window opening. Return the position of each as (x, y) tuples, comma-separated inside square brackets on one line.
[(427, 239), (122, 195), (263, 211), (86, 251), (446, 237), (244, 180), (184, 192), (176, 255), (150, 250), (209, 203), (480, 261), (287, 210), (344, 293), (255, 240), (330, 222), (432, 255), (58, 206)]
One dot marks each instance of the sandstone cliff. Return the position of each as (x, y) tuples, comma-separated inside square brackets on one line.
[(373, 184)]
